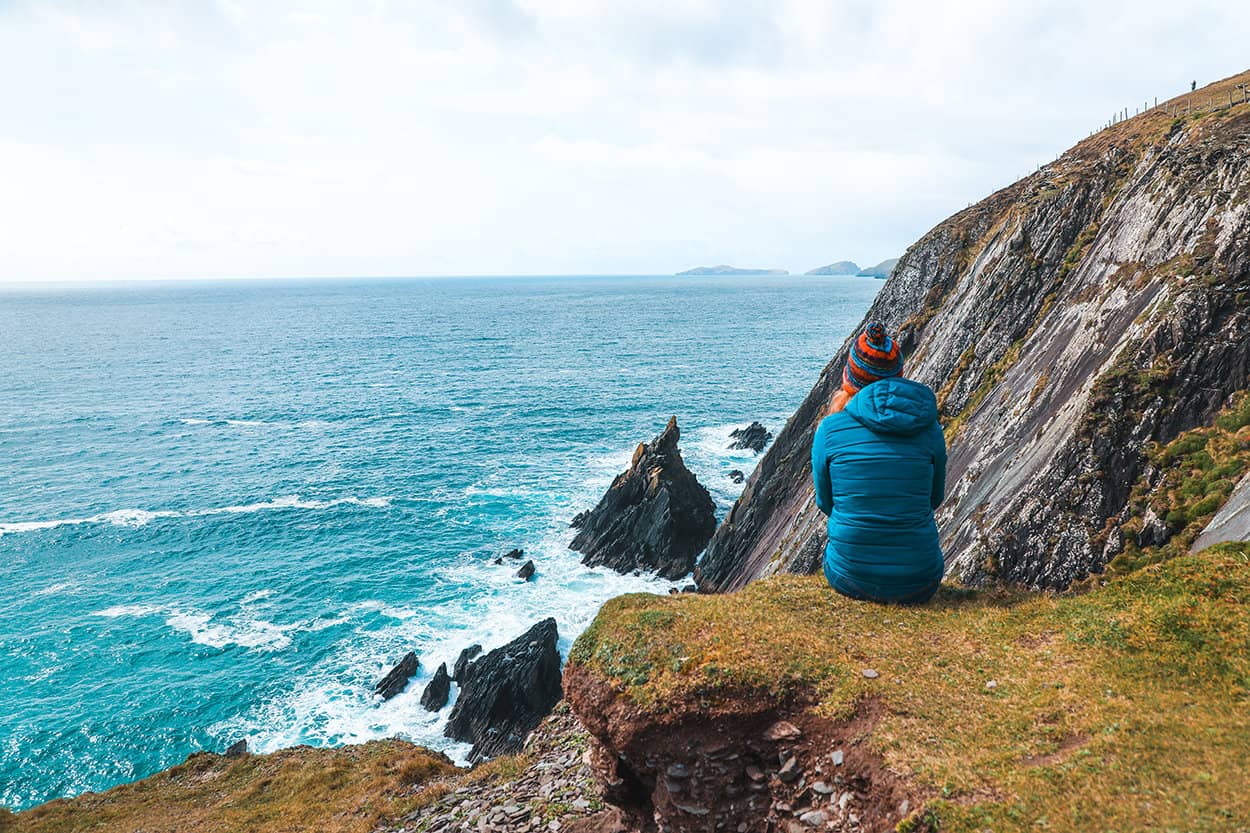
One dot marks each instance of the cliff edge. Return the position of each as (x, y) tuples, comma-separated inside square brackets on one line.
[(788, 707)]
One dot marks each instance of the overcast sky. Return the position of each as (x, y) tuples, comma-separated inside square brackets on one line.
[(161, 139)]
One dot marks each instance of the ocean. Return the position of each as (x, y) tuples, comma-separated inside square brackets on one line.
[(228, 507)]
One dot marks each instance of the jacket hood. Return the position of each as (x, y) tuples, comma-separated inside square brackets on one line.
[(894, 406)]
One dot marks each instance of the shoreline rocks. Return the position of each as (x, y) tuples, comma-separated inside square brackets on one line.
[(438, 691), (510, 690), (397, 678), (655, 516), (752, 438), (460, 669)]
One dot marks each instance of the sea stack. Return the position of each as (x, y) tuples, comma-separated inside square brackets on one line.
[(655, 516), (509, 692)]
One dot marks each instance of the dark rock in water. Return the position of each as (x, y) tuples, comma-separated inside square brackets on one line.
[(461, 666), (513, 554), (690, 588), (737, 476), (754, 437), (436, 693), (509, 692), (655, 515), (579, 519), (237, 749), (397, 677), (527, 571)]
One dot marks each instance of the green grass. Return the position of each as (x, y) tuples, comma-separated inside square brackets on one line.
[(1123, 709)]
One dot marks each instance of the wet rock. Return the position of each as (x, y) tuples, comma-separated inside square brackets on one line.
[(508, 693), (237, 749), (397, 678), (737, 476), (438, 690), (655, 515), (678, 770), (755, 773), (752, 438), (515, 554), (527, 571), (579, 520), (461, 666)]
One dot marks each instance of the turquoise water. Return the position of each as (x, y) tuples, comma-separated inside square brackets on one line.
[(227, 508)]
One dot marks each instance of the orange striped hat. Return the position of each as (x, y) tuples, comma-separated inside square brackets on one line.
[(874, 355)]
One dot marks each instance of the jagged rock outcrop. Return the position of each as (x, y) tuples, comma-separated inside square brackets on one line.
[(1065, 322), (438, 690), (509, 691), (752, 438), (397, 678), (527, 571), (460, 670), (655, 515)]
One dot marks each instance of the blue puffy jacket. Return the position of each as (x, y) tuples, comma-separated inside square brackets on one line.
[(879, 468)]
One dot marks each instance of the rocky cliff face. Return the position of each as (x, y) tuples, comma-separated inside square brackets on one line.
[(1066, 323)]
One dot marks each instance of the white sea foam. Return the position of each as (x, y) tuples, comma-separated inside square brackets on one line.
[(142, 517), (333, 702), (242, 628), (61, 587)]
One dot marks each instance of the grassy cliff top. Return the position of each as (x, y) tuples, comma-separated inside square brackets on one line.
[(344, 790), (1127, 708)]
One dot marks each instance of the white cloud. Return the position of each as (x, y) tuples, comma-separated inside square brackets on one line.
[(526, 136)]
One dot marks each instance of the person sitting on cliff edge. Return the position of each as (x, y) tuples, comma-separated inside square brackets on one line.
[(879, 468)]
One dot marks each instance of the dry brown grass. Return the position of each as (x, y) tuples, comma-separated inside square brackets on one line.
[(344, 790)]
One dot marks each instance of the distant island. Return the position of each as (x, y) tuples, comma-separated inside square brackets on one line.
[(731, 270), (842, 267), (881, 270)]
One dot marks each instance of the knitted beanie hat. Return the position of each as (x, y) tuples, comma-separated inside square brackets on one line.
[(874, 355)]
